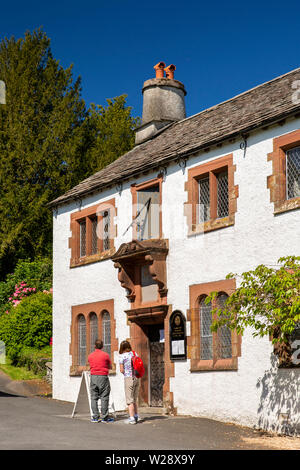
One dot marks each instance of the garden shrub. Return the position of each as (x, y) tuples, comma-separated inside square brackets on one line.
[(29, 324), (35, 275), (33, 359)]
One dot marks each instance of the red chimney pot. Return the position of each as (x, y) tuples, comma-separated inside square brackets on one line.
[(159, 69), (170, 71)]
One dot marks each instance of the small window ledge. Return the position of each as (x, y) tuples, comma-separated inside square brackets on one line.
[(211, 225), (209, 365), (76, 371), (286, 206), (92, 258)]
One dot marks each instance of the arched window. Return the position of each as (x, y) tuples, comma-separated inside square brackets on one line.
[(224, 333), (93, 330), (106, 332), (81, 340), (206, 338), (89, 322)]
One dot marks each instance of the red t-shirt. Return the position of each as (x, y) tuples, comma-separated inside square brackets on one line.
[(99, 362)]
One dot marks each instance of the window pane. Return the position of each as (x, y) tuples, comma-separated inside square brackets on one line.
[(82, 225), (222, 188), (93, 330), (293, 173), (224, 334), (106, 332), (148, 203), (94, 246), (205, 332), (106, 230), (81, 341), (204, 200)]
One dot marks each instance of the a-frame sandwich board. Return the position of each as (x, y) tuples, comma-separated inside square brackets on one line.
[(82, 405)]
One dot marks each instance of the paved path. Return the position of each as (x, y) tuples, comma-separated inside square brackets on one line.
[(36, 423)]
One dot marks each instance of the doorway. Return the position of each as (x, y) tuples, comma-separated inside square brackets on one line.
[(156, 363)]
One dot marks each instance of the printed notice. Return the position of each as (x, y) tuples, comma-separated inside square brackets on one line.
[(177, 348)]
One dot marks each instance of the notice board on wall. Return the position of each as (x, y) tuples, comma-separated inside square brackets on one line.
[(177, 336)]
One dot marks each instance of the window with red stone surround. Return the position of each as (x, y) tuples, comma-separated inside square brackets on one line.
[(201, 340), (144, 189), (93, 233), (83, 338), (277, 182), (212, 196)]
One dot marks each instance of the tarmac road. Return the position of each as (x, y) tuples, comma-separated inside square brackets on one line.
[(36, 423)]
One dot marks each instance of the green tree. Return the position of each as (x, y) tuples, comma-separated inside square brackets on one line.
[(111, 130), (49, 142), (267, 300), (41, 144)]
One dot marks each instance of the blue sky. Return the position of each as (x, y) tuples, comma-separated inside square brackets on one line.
[(219, 48)]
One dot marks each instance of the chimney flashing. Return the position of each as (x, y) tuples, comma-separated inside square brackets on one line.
[(150, 129)]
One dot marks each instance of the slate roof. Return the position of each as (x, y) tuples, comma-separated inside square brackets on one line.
[(263, 105)]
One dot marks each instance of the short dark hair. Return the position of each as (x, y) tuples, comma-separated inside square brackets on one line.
[(125, 346), (98, 344)]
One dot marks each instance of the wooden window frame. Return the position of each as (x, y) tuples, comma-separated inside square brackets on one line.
[(134, 190), (86, 310), (276, 182), (74, 241), (197, 292), (191, 210)]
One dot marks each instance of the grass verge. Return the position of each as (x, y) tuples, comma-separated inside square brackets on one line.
[(18, 373)]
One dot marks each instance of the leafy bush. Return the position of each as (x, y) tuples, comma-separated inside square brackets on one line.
[(33, 359), (27, 324), (35, 275)]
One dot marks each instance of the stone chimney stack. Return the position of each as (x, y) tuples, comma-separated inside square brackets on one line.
[(2, 92), (163, 102)]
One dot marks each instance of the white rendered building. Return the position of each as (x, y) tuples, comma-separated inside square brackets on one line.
[(139, 245)]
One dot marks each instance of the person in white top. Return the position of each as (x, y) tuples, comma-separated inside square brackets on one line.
[(131, 383)]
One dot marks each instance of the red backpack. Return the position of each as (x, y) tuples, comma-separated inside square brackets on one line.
[(137, 366)]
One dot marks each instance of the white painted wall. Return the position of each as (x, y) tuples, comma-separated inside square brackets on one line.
[(256, 393)]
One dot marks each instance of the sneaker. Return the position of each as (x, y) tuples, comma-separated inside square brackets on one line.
[(138, 419), (94, 420), (107, 420), (130, 421)]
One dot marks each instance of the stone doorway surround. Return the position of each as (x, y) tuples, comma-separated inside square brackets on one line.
[(129, 259), (139, 320)]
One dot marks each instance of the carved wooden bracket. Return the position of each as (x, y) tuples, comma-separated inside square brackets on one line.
[(138, 253), (126, 281)]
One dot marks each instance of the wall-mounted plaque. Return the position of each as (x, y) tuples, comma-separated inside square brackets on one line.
[(177, 336)]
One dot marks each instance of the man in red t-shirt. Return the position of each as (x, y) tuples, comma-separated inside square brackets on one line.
[(100, 364)]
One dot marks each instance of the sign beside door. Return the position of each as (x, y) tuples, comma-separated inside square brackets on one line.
[(177, 336)]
